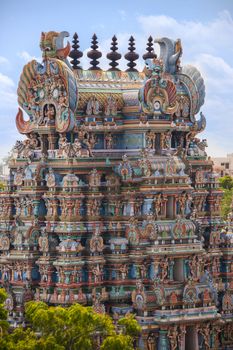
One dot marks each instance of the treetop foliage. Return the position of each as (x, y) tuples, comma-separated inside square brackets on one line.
[(72, 328)]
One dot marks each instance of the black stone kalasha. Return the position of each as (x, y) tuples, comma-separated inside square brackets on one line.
[(114, 56), (75, 54), (150, 49), (131, 56), (94, 54)]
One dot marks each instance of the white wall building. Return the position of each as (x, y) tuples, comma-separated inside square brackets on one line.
[(224, 165), (4, 171)]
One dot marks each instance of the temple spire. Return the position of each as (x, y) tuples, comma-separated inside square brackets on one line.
[(150, 49), (114, 55), (75, 54), (94, 54), (131, 56)]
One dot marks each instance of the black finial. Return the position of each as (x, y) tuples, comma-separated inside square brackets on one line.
[(75, 54), (94, 54), (113, 55), (150, 50), (131, 56)]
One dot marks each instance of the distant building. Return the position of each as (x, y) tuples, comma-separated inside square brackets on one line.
[(4, 172), (224, 165)]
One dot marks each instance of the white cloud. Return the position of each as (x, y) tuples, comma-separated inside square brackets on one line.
[(212, 37), (7, 92), (6, 81), (24, 55), (3, 60), (207, 45)]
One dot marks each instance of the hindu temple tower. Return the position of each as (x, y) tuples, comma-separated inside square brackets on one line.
[(112, 201)]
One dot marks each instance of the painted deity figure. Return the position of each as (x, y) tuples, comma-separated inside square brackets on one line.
[(151, 342), (90, 141), (110, 106), (49, 114), (123, 270), (182, 203), (19, 176), (33, 140), (158, 199), (77, 147), (96, 242), (150, 139), (172, 335), (109, 141), (97, 273), (93, 106), (164, 265), (50, 178), (94, 178), (167, 140)]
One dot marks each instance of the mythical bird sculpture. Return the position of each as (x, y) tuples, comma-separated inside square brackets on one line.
[(170, 53), (157, 95), (47, 91), (189, 76), (51, 44)]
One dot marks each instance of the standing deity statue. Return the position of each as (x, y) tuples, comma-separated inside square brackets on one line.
[(123, 270), (150, 139), (172, 335), (50, 178), (182, 203), (77, 147), (158, 199), (110, 106), (150, 342), (164, 265), (109, 141), (49, 114), (94, 178), (90, 141), (93, 106), (166, 144)]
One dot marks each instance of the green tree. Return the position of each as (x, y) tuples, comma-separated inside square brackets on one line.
[(2, 186), (130, 326), (3, 313), (226, 202), (130, 330), (72, 327), (26, 339), (75, 327), (226, 182), (117, 342)]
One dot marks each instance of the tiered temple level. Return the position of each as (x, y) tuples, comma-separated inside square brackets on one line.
[(112, 201)]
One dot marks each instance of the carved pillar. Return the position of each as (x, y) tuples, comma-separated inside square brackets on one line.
[(131, 207), (52, 141), (147, 206), (181, 338), (191, 338), (163, 343), (54, 207), (170, 207), (43, 142), (164, 207), (175, 199), (36, 204)]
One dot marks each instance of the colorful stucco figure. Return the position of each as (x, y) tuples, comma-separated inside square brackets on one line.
[(51, 44), (48, 91), (112, 200)]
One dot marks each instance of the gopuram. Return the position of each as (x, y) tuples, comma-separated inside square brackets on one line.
[(112, 200)]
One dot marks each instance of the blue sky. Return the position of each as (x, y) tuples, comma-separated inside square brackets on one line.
[(204, 26)]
